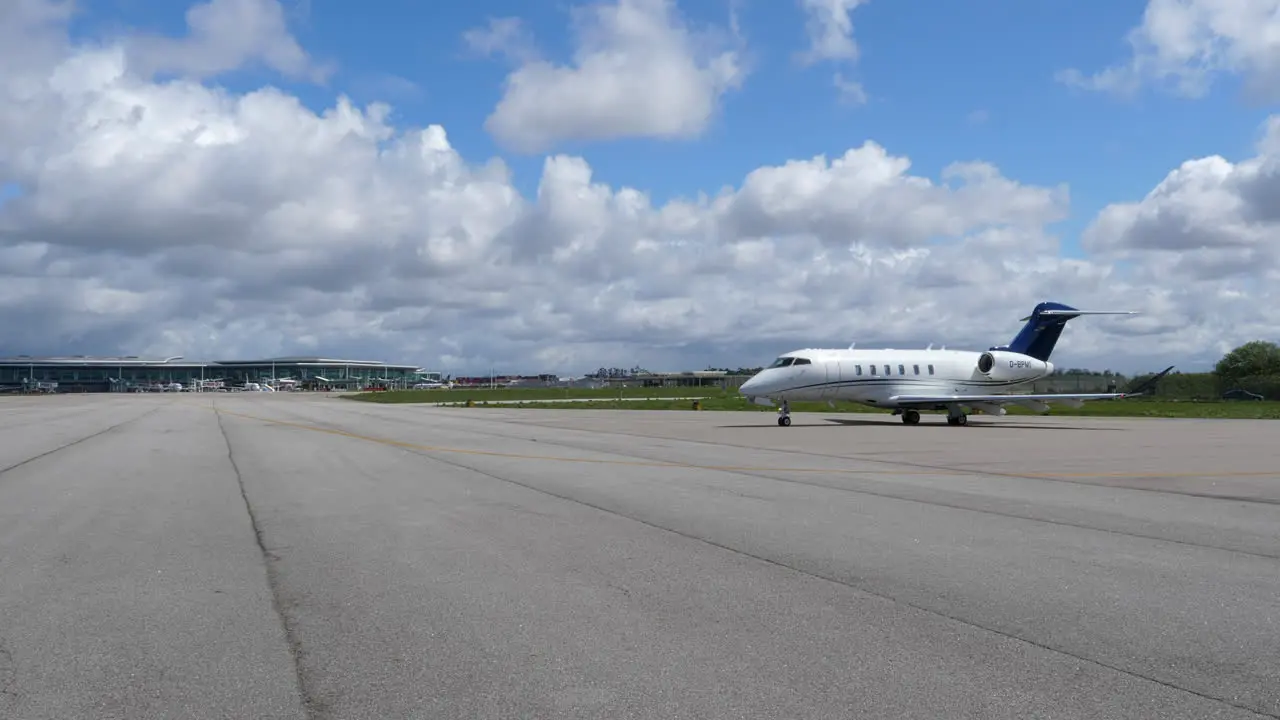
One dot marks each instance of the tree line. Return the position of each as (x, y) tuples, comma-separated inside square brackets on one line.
[(1251, 370)]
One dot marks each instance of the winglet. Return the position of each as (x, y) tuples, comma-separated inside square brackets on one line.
[(1149, 384)]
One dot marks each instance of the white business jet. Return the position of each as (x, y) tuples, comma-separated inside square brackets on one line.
[(908, 381)]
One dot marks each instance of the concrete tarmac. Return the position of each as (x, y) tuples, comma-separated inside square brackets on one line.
[(297, 556)]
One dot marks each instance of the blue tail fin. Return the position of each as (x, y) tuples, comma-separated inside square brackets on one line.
[(1044, 326)]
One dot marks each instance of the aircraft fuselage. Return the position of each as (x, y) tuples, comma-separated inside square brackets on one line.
[(873, 377)]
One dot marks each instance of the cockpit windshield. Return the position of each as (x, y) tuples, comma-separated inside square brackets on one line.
[(782, 362)]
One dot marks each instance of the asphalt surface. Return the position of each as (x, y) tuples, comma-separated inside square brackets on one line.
[(296, 556)]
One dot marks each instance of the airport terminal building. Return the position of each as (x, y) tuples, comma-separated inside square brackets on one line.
[(133, 374)]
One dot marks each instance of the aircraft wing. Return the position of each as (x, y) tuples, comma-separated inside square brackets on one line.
[(1036, 402)]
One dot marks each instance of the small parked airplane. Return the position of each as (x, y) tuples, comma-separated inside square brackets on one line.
[(908, 381)]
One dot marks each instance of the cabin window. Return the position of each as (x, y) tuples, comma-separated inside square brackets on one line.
[(930, 369), (803, 361), (887, 370), (902, 370), (857, 369), (782, 362), (915, 369), (873, 369)]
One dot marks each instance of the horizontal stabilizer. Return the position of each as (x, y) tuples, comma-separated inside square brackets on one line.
[(1044, 326), (1078, 313)]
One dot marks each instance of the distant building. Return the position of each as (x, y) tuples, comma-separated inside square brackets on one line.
[(81, 373), (688, 378)]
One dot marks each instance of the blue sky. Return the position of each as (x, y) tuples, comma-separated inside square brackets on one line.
[(946, 82), (416, 256), (8, 191)]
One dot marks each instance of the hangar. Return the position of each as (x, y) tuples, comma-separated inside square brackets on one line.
[(82, 373)]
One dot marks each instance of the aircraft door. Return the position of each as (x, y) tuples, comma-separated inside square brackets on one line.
[(824, 376), (809, 378), (831, 375), (841, 373)]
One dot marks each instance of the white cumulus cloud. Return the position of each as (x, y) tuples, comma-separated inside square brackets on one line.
[(1186, 43), (829, 25), (226, 35), (638, 71), (1207, 235), (177, 218)]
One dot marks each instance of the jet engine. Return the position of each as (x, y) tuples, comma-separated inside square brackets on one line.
[(1004, 365)]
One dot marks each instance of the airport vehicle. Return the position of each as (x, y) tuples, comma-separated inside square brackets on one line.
[(908, 381)]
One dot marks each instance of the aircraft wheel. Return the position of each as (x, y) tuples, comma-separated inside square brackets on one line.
[(784, 421), (911, 417)]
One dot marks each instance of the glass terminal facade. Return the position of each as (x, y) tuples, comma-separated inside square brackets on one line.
[(133, 374)]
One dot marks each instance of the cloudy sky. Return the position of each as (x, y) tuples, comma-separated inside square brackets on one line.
[(556, 186)]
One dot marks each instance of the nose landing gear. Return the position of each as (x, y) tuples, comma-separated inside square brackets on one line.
[(784, 414)]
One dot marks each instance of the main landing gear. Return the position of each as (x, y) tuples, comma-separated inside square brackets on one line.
[(912, 417), (955, 416)]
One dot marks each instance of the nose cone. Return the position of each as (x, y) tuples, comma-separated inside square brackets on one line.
[(755, 385)]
